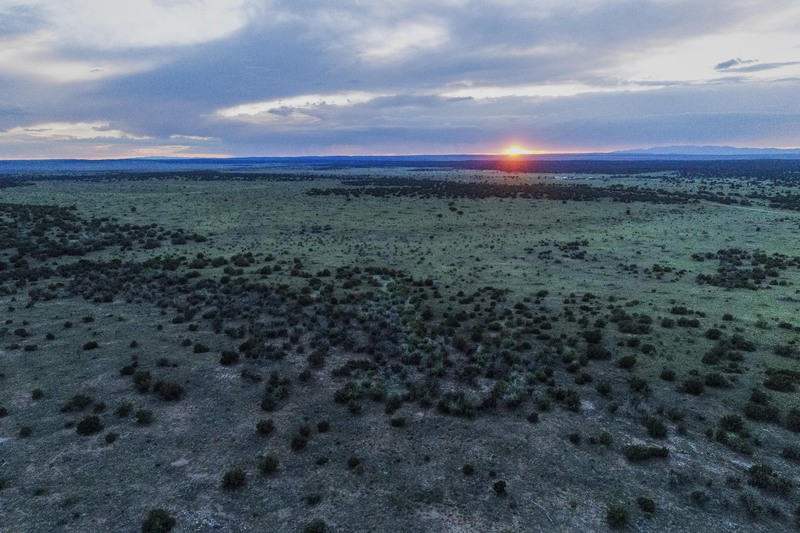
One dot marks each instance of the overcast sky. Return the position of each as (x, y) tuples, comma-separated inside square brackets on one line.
[(103, 78)]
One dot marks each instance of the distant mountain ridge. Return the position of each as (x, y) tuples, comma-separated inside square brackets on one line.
[(707, 151)]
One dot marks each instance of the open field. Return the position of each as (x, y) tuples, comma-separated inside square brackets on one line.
[(401, 349)]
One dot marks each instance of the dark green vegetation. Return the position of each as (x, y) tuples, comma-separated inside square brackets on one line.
[(341, 350)]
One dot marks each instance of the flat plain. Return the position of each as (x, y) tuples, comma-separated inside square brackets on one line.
[(401, 349)]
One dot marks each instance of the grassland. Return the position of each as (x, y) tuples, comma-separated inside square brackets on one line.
[(400, 350)]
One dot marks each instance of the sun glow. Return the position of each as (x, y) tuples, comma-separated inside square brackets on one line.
[(516, 150)]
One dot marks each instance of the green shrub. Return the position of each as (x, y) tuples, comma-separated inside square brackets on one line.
[(158, 521), (792, 421), (617, 516), (124, 409), (268, 464), (693, 386), (647, 505), (169, 391), (733, 423), (228, 358), (144, 417), (234, 479), (715, 379), (605, 438), (316, 526), (265, 426), (76, 403), (655, 427), (89, 425), (626, 362), (638, 452)]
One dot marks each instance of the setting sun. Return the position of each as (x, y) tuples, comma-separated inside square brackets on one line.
[(518, 150)]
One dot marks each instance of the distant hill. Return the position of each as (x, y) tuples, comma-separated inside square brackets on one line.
[(714, 151)]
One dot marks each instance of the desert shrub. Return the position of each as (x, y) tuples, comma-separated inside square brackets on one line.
[(626, 362), (268, 464), (200, 348), (499, 487), (597, 352), (655, 427), (234, 479), (111, 437), (37, 394), (89, 425), (76, 403), (763, 477), (25, 432), (791, 452), (733, 423), (715, 379), (141, 381), (792, 421), (316, 526), (533, 417), (265, 426), (169, 391), (275, 390), (638, 452), (124, 409), (699, 497), (398, 421), (667, 374), (617, 516), (323, 426), (693, 386), (603, 388), (316, 359), (639, 386), (647, 505), (468, 469), (353, 462), (781, 380), (3, 411), (158, 521), (298, 442), (91, 345), (605, 438), (713, 334), (313, 499), (574, 438), (144, 417), (761, 412), (228, 358)]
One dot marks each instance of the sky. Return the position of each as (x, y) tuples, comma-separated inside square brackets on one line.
[(188, 78)]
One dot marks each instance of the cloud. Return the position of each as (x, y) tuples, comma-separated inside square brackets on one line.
[(764, 66), (726, 65), (89, 40), (254, 77), (63, 131)]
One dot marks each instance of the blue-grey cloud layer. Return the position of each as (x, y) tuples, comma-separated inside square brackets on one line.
[(398, 77)]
